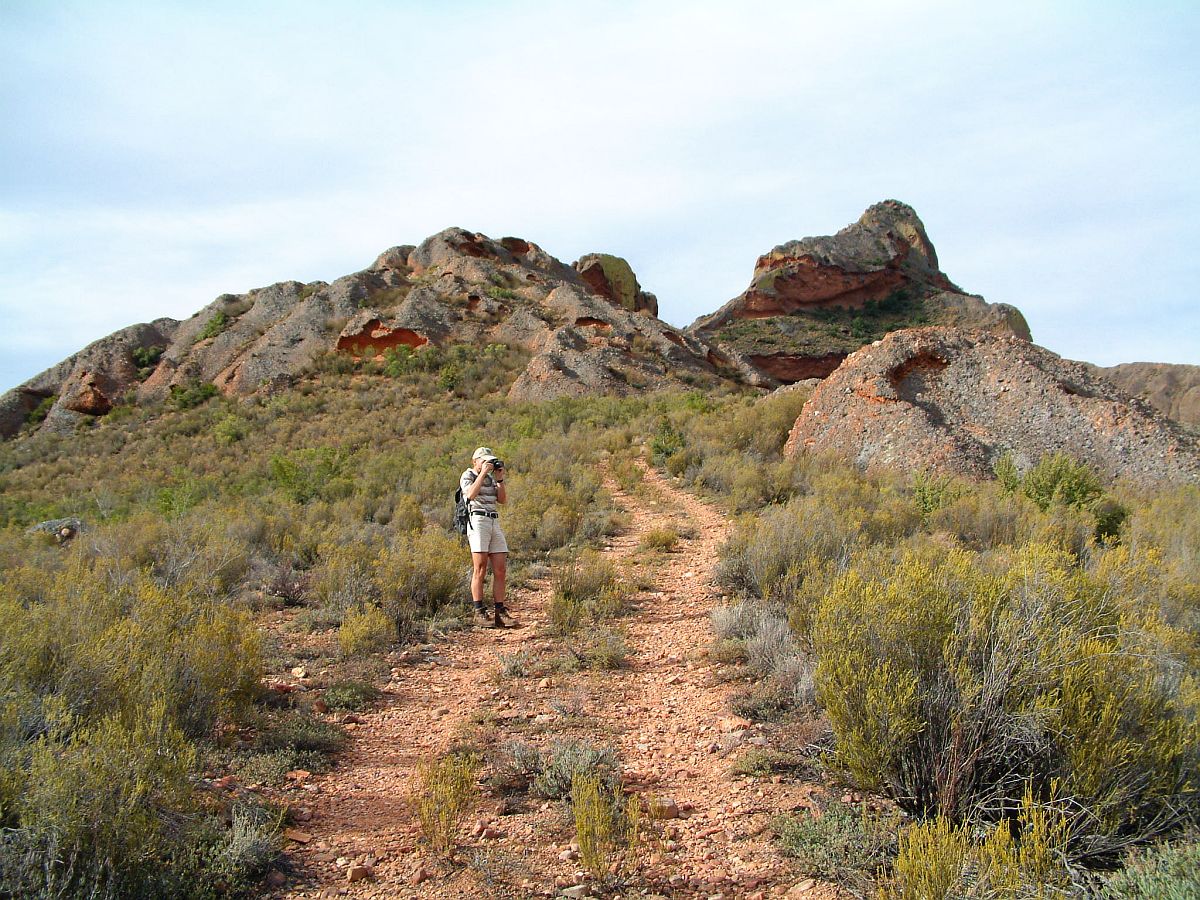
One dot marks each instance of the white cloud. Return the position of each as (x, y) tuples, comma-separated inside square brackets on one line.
[(165, 155)]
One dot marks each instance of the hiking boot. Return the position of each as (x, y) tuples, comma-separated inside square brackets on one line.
[(481, 612), (501, 613)]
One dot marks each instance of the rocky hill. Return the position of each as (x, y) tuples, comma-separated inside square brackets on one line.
[(812, 302), (588, 327), (953, 400), (1174, 390)]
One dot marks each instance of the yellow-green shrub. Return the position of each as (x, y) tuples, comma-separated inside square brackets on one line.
[(419, 575), (366, 630), (1023, 858), (587, 589), (948, 685), (446, 792)]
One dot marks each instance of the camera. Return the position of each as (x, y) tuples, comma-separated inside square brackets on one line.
[(497, 464)]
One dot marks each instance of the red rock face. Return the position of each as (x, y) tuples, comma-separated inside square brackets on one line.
[(806, 284), (89, 395), (789, 369), (595, 323), (379, 337), (515, 245), (593, 276)]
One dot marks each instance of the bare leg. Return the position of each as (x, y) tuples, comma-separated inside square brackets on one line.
[(499, 571), (479, 562)]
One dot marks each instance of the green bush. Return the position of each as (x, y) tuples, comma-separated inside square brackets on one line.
[(366, 630), (97, 807), (586, 590), (1060, 479), (352, 695), (191, 394), (949, 686), (424, 573), (1168, 872), (37, 415), (216, 323), (844, 843), (567, 759), (445, 794), (300, 732)]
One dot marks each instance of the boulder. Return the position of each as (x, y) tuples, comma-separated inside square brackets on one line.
[(951, 400), (612, 278)]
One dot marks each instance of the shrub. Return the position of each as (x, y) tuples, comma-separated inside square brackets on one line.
[(191, 394), (847, 844), (663, 539), (37, 415), (271, 768), (1167, 872), (300, 732), (515, 765), (929, 862), (586, 590), (248, 849), (352, 695), (420, 576), (312, 472), (216, 323), (1060, 479), (96, 809), (606, 650), (949, 687), (1023, 858), (605, 823), (566, 759), (445, 794), (366, 630)]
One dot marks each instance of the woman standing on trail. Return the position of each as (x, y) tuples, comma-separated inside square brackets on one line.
[(483, 487)]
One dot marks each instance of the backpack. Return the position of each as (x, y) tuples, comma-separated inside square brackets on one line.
[(462, 512)]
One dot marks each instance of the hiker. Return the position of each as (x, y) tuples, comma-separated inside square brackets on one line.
[(483, 488)]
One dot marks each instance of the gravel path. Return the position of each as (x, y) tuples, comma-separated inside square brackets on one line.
[(667, 712)]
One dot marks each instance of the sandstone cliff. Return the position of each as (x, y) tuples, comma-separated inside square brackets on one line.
[(952, 400), (813, 301), (588, 327)]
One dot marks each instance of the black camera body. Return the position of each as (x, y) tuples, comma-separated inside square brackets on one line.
[(497, 464)]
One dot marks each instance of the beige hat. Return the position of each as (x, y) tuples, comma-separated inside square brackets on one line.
[(484, 453)]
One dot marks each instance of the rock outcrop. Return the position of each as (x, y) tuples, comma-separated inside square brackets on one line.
[(589, 328), (612, 278), (812, 302), (951, 400), (1174, 390), (90, 382)]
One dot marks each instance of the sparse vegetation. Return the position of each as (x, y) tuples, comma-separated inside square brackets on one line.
[(216, 323), (964, 640), (847, 843), (586, 590), (445, 794)]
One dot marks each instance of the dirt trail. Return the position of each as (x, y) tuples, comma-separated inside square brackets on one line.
[(667, 712)]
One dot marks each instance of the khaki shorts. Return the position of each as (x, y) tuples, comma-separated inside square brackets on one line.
[(486, 536)]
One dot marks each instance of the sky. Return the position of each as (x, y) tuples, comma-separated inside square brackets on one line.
[(156, 155)]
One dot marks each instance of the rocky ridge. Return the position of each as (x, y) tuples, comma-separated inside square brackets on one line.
[(953, 400), (588, 327), (1174, 390), (813, 301)]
